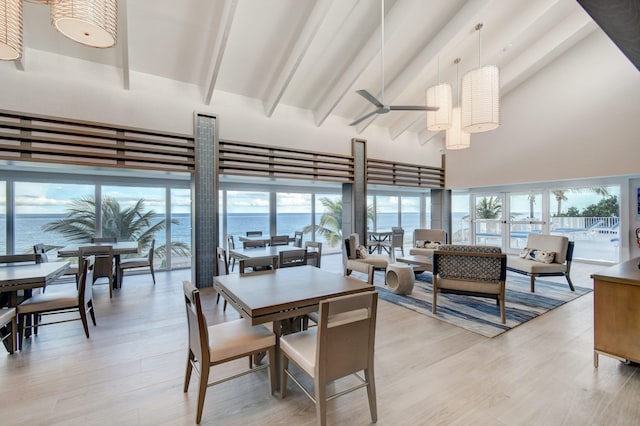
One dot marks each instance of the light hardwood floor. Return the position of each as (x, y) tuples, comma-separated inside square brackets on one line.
[(131, 370)]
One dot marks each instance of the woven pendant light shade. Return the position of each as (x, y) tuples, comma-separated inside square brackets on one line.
[(481, 99), (439, 96), (11, 29), (90, 22), (456, 137)]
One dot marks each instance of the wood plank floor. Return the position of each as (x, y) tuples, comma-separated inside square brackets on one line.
[(131, 370)]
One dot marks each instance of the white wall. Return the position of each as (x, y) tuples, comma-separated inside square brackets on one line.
[(578, 117), (70, 88)]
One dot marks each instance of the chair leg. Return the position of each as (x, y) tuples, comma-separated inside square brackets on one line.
[(91, 312), (202, 390), (83, 318), (187, 377), (533, 283), (321, 400), (570, 283), (369, 376), (153, 274), (21, 320)]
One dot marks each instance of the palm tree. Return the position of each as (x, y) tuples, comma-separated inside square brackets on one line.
[(130, 224), (330, 226), (489, 208), (560, 195)]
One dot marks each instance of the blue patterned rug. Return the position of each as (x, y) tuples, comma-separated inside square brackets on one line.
[(481, 315)]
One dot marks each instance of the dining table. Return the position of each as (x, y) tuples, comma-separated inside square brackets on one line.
[(282, 296), (119, 248)]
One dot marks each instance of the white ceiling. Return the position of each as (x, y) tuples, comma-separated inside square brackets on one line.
[(314, 54)]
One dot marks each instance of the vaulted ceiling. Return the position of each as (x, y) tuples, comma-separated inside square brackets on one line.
[(314, 54)]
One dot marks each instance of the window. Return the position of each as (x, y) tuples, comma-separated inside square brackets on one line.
[(247, 211), (293, 212)]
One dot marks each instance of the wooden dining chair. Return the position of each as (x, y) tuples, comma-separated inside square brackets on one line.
[(314, 253), (103, 269), (341, 345), (252, 244), (279, 240), (220, 343), (231, 245), (104, 239), (54, 303), (10, 324), (223, 269), (39, 249), (289, 258), (297, 238), (254, 233), (137, 263), (257, 265)]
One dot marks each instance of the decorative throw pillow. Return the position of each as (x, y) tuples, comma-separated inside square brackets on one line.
[(420, 243), (361, 252), (432, 244), (525, 253), (541, 256)]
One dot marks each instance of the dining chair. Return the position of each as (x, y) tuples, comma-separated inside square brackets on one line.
[(314, 253), (252, 244), (104, 239), (352, 265), (60, 302), (39, 249), (341, 345), (297, 238), (396, 241), (103, 269), (137, 262), (220, 343), (289, 258), (9, 323), (223, 269), (231, 245), (257, 265), (279, 240), (254, 233)]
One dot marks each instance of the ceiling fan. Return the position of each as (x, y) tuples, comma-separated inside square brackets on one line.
[(383, 108)]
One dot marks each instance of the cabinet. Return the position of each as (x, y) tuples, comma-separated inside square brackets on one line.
[(617, 312)]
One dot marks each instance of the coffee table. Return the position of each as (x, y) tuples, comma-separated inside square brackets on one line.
[(420, 263)]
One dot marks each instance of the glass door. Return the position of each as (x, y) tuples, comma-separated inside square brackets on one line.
[(525, 216), (488, 221)]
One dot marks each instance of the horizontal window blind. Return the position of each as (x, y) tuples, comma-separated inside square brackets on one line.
[(382, 172)]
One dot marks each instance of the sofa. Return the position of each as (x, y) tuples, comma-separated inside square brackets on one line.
[(544, 256), (426, 241), (470, 270)]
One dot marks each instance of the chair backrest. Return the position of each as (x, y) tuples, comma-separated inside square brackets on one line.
[(85, 281), (39, 250), (558, 244), (432, 235), (20, 258), (254, 233), (197, 324), (352, 243), (231, 244), (363, 268), (103, 260), (469, 262), (252, 244), (223, 262), (346, 335), (297, 238), (279, 240), (104, 240), (314, 253), (397, 237), (258, 265), (289, 258)]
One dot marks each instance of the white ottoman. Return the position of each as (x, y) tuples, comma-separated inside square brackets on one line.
[(400, 278)]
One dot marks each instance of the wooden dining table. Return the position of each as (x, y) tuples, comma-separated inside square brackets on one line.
[(28, 276), (283, 295), (119, 248)]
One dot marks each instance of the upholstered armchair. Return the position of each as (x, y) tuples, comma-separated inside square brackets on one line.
[(470, 270)]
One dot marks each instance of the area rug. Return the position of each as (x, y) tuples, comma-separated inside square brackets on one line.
[(481, 315)]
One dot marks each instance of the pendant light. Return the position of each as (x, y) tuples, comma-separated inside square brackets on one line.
[(90, 22), (439, 96), (456, 138), (481, 97), (10, 29)]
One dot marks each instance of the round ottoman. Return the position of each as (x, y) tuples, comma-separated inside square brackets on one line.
[(400, 278)]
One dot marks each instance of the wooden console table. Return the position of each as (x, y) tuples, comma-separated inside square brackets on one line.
[(617, 312)]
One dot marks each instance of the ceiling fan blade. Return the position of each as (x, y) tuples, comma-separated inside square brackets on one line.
[(368, 96), (412, 108), (364, 117)]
